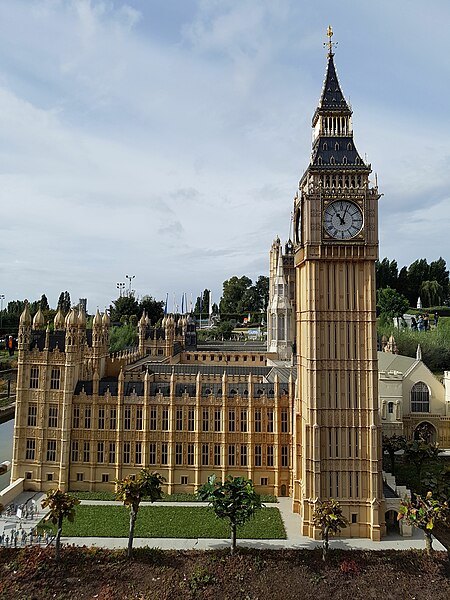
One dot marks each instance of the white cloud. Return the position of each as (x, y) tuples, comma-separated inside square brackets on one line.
[(173, 150)]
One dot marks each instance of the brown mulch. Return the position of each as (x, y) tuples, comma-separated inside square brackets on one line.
[(89, 573)]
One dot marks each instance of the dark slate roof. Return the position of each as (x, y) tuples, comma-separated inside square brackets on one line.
[(332, 98), (332, 152), (56, 339), (205, 369), (105, 384)]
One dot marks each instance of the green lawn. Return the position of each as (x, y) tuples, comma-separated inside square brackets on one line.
[(168, 522)]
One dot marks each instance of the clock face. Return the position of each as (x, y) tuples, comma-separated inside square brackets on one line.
[(342, 219)]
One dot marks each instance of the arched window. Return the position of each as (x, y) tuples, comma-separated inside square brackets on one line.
[(332, 160), (325, 146), (336, 146), (349, 146), (420, 397), (344, 160)]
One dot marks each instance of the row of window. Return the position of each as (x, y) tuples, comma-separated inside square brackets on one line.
[(232, 455), (226, 358), (55, 378), (185, 419), (184, 479)]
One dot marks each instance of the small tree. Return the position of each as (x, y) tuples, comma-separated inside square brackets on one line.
[(132, 491), (235, 501), (418, 451), (391, 304), (328, 516), (424, 513), (62, 506), (391, 444)]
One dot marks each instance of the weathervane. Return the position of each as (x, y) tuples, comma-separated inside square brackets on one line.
[(330, 43)]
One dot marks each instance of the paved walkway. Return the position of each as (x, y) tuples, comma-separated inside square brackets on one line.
[(292, 523)]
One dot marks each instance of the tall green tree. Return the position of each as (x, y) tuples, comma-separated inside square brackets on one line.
[(202, 303), (125, 306), (154, 309), (64, 302), (131, 492), (235, 500), (44, 305), (386, 274), (424, 513), (439, 273), (62, 506), (431, 293), (329, 518), (418, 271)]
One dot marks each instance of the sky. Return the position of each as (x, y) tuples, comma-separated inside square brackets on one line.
[(164, 139)]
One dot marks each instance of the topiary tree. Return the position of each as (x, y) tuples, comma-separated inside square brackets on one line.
[(235, 500), (328, 516), (62, 506), (132, 491), (424, 513)]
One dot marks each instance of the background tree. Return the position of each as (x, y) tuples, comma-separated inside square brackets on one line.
[(431, 293), (418, 271), (44, 305), (235, 501), (391, 445), (125, 306), (329, 518), (234, 293), (62, 506), (418, 452), (386, 274), (132, 491), (64, 302), (424, 513), (202, 303), (439, 273), (391, 304), (154, 309)]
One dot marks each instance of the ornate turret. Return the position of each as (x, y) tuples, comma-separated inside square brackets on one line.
[(279, 311), (24, 328), (71, 324), (39, 320), (59, 320)]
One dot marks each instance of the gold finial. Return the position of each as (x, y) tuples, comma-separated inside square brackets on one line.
[(330, 43)]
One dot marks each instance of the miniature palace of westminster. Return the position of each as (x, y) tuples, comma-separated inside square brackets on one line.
[(300, 416)]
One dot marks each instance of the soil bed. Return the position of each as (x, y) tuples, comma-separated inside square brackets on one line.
[(32, 574)]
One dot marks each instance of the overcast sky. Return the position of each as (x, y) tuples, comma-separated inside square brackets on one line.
[(165, 138)]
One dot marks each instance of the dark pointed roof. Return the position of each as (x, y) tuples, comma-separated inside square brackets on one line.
[(332, 98), (336, 152)]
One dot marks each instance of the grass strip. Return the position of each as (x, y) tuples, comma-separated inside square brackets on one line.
[(170, 522)]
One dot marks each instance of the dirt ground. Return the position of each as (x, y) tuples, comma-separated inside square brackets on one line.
[(86, 573)]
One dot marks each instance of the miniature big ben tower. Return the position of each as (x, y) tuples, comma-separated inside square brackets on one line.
[(337, 432)]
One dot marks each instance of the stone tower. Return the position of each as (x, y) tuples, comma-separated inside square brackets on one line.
[(337, 449)]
